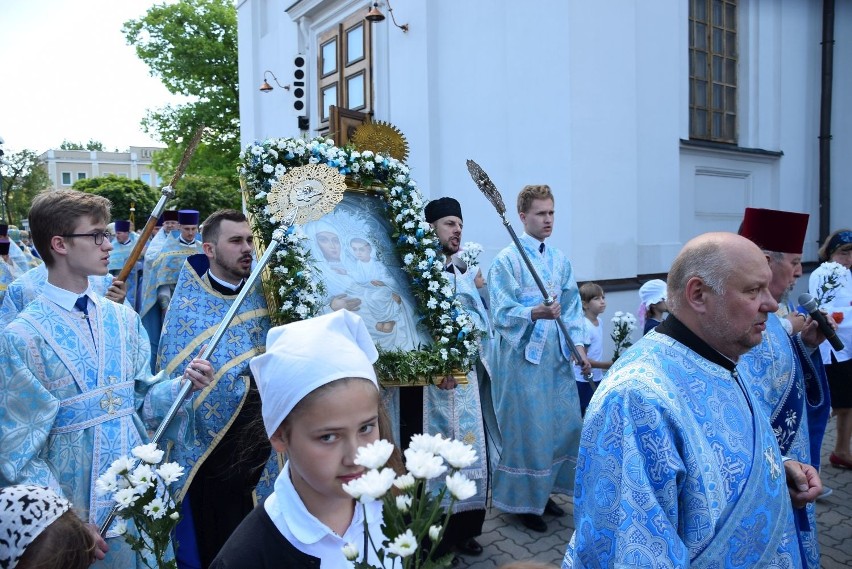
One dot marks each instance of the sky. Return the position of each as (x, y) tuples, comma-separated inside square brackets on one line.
[(66, 72)]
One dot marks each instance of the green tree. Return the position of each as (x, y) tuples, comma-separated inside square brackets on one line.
[(24, 176), (206, 194), (192, 46), (121, 192), (91, 145)]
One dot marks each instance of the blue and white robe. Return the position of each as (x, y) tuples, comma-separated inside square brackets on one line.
[(533, 387), (678, 467), (69, 406), (117, 258), (193, 317), (26, 288), (164, 270), (792, 389)]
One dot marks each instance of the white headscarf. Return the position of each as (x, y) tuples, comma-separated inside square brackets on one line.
[(305, 355), (25, 512)]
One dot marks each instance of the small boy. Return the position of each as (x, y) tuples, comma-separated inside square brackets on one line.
[(594, 304)]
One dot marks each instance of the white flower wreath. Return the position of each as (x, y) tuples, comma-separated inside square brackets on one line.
[(299, 290)]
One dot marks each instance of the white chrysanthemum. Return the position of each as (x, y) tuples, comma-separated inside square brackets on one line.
[(120, 527), (458, 454), (375, 454), (404, 481), (350, 551), (434, 532), (403, 503), (155, 509), (170, 472), (125, 498), (268, 168), (404, 545), (460, 486), (424, 464), (371, 486), (121, 466), (428, 443), (142, 478), (105, 484), (148, 453)]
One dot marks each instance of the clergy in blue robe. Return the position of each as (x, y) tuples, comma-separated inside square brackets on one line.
[(8, 270), (678, 464), (159, 282), (122, 246), (785, 371), (75, 390), (534, 392), (225, 462)]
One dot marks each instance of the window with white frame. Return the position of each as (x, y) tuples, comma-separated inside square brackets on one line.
[(81, 175), (145, 177), (66, 178)]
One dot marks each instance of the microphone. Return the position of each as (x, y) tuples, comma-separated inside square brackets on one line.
[(809, 304)]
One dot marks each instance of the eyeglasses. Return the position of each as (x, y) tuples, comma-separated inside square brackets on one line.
[(98, 236)]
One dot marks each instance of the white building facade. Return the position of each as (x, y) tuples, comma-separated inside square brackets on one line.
[(592, 98)]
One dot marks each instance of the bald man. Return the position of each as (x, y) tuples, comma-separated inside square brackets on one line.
[(678, 465)]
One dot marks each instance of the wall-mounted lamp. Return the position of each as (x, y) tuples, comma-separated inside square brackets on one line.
[(265, 87), (375, 15)]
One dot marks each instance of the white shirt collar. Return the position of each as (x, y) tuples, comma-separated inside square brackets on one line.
[(64, 298), (308, 534), (225, 284)]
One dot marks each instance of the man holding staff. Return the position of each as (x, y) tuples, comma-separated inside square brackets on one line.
[(533, 387)]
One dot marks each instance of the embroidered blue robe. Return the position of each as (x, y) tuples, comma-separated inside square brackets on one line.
[(193, 317), (8, 273), (775, 372), (68, 407), (533, 387), (164, 271), (27, 287), (457, 413), (678, 467), (117, 257)]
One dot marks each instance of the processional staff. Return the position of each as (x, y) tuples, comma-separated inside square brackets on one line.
[(167, 193), (288, 207), (487, 187)]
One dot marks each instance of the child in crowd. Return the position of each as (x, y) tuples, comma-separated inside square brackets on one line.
[(594, 304), (320, 403), (653, 307), (38, 530)]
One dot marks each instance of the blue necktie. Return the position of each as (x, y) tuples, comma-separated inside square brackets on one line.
[(82, 305), (541, 248)]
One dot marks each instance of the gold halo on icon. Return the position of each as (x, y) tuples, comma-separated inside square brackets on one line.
[(313, 189), (382, 138)]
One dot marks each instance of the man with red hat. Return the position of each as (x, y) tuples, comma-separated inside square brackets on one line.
[(159, 283), (784, 371)]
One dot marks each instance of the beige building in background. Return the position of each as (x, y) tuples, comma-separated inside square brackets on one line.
[(67, 166)]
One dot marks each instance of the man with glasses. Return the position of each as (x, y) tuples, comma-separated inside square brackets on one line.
[(75, 389)]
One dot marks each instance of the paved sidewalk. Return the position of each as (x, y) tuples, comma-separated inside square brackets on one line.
[(505, 540)]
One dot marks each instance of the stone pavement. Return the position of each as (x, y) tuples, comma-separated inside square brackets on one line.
[(505, 540)]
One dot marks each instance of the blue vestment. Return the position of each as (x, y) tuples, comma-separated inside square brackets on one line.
[(27, 287), (789, 387), (69, 398), (117, 258), (533, 387), (164, 271), (678, 467)]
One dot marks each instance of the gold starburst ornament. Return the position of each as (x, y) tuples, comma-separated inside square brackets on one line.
[(313, 189), (382, 138)]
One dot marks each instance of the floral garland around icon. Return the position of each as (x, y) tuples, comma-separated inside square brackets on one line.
[(300, 291)]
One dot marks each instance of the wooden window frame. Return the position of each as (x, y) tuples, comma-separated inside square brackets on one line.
[(345, 69), (713, 65)]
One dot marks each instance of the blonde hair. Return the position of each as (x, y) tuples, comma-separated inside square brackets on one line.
[(531, 193)]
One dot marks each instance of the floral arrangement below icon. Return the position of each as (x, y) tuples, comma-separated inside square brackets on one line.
[(623, 325), (414, 521), (141, 492)]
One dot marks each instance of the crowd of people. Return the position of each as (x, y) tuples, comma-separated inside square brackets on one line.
[(698, 446)]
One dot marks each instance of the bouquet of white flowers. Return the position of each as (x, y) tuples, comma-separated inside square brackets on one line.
[(830, 277), (411, 513), (623, 324), (469, 253), (141, 492)]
